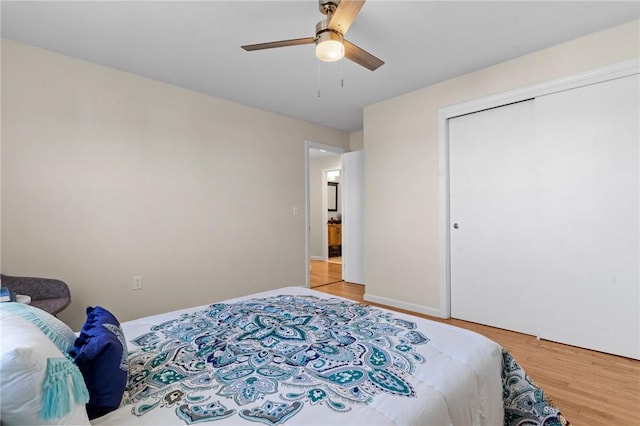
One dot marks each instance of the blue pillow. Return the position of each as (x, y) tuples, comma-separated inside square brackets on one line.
[(101, 354)]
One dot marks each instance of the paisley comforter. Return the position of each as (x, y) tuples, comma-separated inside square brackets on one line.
[(298, 356)]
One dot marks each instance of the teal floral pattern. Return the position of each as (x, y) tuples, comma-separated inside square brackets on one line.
[(264, 359), (271, 356)]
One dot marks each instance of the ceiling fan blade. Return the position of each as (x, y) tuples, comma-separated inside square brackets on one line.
[(361, 57), (281, 43), (344, 15)]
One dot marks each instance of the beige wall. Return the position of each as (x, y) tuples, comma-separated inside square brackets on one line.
[(356, 141), (401, 142), (107, 175)]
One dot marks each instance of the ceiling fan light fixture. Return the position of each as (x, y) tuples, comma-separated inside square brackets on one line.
[(329, 47)]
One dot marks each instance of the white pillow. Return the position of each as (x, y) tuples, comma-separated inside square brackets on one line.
[(57, 331), (24, 351)]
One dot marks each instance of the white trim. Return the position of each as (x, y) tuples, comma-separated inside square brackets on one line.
[(444, 262), (317, 258), (402, 305), (598, 75), (307, 201), (331, 148)]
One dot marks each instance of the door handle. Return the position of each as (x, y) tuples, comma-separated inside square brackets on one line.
[(456, 226)]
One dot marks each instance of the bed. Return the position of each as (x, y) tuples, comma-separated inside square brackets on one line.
[(289, 356), (301, 357)]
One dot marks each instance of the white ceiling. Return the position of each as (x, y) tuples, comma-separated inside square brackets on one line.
[(196, 45)]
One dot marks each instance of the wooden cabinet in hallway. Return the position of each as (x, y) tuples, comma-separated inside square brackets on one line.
[(334, 239)]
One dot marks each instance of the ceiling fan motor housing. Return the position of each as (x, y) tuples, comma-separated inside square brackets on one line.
[(324, 33)]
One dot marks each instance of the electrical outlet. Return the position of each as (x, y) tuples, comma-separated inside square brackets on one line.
[(137, 282)]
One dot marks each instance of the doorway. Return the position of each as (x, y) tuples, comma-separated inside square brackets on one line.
[(324, 215)]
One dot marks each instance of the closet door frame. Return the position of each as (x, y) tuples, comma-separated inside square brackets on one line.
[(598, 75)]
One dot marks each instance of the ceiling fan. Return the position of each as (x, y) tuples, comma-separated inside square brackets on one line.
[(330, 43)]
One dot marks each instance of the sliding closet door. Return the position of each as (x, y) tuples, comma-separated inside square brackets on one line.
[(545, 216), (492, 205), (588, 216)]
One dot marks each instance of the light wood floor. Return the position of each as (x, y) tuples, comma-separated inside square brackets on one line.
[(590, 388), (322, 273)]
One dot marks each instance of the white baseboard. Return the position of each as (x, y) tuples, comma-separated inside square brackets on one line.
[(312, 257), (426, 310)]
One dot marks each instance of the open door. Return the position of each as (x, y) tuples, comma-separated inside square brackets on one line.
[(353, 217)]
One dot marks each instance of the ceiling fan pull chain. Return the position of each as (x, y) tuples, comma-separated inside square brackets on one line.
[(342, 72), (318, 79)]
